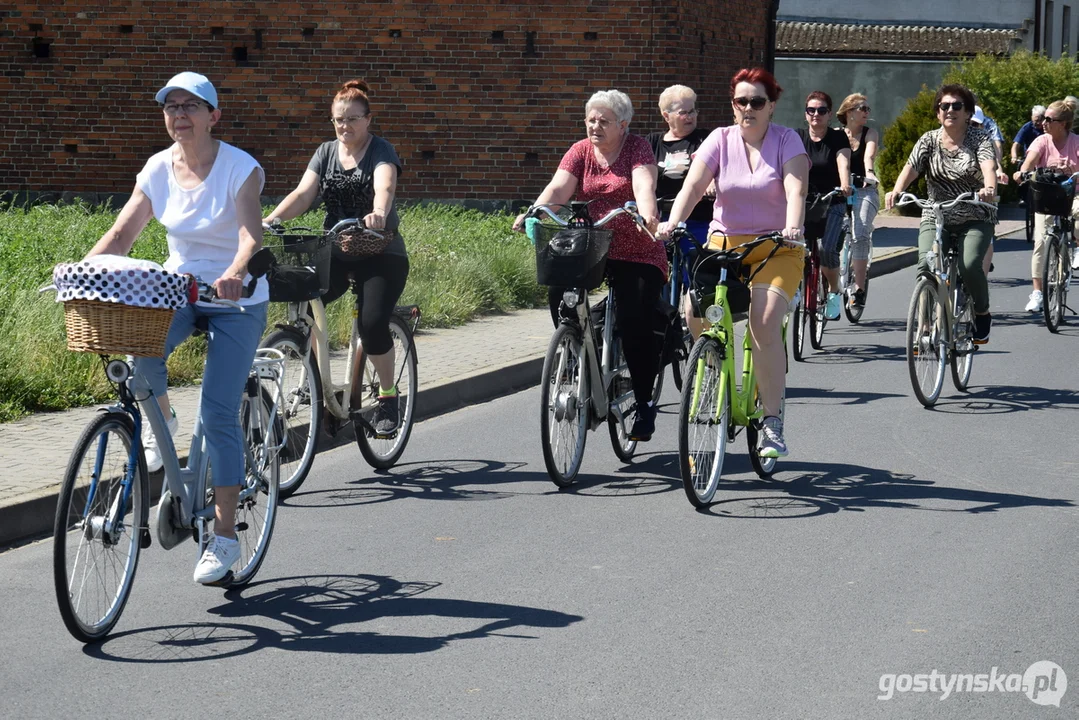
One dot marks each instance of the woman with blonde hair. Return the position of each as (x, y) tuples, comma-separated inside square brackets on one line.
[(1057, 149), (852, 115)]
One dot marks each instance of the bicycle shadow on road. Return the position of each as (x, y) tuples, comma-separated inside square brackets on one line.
[(430, 480), (853, 354), (825, 488), (999, 399), (319, 613), (647, 474), (809, 395)]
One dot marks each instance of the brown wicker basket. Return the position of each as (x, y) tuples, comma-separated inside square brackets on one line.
[(113, 329)]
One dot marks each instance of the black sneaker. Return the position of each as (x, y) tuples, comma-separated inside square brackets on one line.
[(859, 298), (388, 417), (644, 423), (982, 325)]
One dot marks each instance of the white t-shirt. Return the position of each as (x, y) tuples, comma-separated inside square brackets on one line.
[(201, 223)]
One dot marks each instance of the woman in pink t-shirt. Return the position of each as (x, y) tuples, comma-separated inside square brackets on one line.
[(1057, 148), (761, 173), (612, 167)]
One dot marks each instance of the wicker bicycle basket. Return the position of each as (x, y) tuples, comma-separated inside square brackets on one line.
[(571, 257), (114, 329), (1052, 198)]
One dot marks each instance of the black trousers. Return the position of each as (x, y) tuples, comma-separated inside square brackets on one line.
[(637, 288), (380, 280)]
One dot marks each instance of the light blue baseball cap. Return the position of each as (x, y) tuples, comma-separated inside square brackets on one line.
[(198, 85)]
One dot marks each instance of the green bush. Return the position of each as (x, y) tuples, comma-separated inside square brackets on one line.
[(1006, 88)]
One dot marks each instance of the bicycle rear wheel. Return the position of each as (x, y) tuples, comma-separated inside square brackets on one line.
[(565, 409), (703, 417), (96, 535), (300, 410), (1029, 219), (962, 345), (926, 342), (383, 452), (620, 397), (256, 511), (1053, 284)]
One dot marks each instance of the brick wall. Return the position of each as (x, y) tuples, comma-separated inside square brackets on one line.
[(480, 99)]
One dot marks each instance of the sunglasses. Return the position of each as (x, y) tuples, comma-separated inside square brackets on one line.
[(822, 110), (863, 108), (956, 106), (1052, 119), (756, 102)]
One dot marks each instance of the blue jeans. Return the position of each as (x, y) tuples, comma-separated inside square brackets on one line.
[(233, 337)]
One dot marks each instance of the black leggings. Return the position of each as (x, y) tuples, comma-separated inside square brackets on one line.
[(640, 325), (380, 280)]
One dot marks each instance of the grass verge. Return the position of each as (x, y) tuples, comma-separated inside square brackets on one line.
[(464, 263)]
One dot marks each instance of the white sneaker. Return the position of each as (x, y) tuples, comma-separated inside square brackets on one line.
[(149, 442), (220, 555), (1035, 302)]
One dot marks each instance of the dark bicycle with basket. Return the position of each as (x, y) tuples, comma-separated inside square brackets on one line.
[(1053, 193), (585, 376), (312, 401)]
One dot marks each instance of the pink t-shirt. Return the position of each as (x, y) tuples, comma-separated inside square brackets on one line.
[(612, 187), (1046, 154), (749, 202)]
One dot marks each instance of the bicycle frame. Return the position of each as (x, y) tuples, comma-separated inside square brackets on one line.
[(597, 360)]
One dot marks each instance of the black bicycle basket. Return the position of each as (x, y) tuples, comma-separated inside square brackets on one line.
[(302, 271), (1051, 197), (705, 278), (571, 257)]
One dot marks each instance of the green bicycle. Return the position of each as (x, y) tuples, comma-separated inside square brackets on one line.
[(717, 401)]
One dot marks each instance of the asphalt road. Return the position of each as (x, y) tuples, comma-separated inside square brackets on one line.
[(893, 541)]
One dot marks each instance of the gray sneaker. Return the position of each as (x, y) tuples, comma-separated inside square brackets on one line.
[(770, 443)]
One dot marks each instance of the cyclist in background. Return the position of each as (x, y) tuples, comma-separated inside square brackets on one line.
[(1027, 134), (1058, 149), (956, 158), (760, 171), (852, 115), (611, 167), (829, 155), (356, 175)]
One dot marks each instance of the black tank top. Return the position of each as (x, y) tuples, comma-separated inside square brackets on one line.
[(857, 157)]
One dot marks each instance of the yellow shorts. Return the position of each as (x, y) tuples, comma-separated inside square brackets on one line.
[(783, 271)]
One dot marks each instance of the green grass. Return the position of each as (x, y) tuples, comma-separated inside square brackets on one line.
[(464, 263)]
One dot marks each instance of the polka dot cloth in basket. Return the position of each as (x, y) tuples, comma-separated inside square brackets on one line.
[(122, 280)]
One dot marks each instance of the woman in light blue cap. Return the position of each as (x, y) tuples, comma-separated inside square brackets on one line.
[(206, 194)]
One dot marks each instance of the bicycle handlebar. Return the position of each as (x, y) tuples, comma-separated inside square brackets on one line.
[(967, 197), (680, 231), (630, 208), (347, 224)]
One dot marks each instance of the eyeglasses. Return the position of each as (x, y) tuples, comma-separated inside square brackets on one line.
[(821, 110), (956, 106), (862, 108), (187, 108), (686, 113), (756, 102), (350, 120)]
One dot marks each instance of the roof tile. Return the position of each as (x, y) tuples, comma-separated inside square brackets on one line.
[(837, 39)]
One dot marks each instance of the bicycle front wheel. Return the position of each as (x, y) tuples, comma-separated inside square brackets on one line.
[(1053, 285), (703, 417), (379, 451), (300, 408), (819, 318), (565, 408), (101, 520), (926, 342), (256, 510)]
